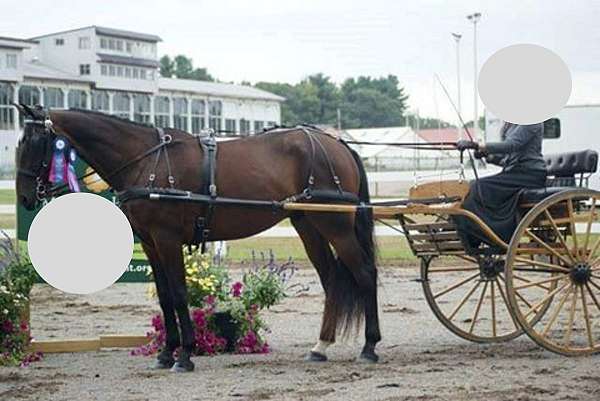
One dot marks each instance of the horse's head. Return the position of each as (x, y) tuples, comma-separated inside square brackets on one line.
[(34, 151)]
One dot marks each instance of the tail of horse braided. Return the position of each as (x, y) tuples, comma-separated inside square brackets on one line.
[(348, 294)]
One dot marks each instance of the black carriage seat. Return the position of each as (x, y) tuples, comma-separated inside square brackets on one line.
[(565, 171)]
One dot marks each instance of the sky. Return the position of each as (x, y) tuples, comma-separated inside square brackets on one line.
[(287, 40)]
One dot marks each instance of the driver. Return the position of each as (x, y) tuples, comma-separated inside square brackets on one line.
[(495, 198)]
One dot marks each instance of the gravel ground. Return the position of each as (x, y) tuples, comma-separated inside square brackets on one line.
[(420, 359)]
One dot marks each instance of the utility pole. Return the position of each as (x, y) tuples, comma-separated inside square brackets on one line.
[(457, 37), (474, 18), (339, 119)]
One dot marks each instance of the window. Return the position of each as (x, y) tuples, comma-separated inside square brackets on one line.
[(244, 127), (128, 47), (103, 43), (161, 111), (11, 61), (111, 44), (142, 73), (119, 71), (7, 116), (141, 108), (127, 72), (136, 73), (77, 99), (54, 98), (104, 69), (258, 126), (198, 114), (84, 42), (100, 101), (111, 70), (552, 128), (271, 124), (121, 106), (180, 113), (215, 107), (230, 126), (59, 42), (119, 45), (84, 69), (29, 95)]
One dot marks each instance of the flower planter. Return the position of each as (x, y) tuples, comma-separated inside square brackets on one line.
[(228, 328)]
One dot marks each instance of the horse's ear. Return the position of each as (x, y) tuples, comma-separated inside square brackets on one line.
[(20, 108)]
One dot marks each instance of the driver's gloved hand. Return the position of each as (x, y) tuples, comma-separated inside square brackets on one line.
[(464, 144)]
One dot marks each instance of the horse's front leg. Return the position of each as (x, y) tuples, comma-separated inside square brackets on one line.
[(171, 261), (165, 358)]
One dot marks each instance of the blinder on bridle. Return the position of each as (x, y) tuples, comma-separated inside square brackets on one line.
[(42, 143)]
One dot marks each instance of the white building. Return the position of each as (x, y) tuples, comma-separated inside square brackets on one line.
[(116, 72)]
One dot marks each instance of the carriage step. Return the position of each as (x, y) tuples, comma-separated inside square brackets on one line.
[(428, 227), (435, 236), (441, 246)]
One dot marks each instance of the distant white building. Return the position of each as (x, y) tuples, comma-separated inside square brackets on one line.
[(116, 72)]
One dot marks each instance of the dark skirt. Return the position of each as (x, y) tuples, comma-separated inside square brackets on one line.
[(495, 199)]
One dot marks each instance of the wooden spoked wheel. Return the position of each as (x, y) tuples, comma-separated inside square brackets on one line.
[(562, 229), (470, 299)]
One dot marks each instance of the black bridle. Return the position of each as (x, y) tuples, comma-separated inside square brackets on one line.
[(42, 172)]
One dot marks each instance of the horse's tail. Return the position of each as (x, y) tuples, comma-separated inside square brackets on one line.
[(351, 288)]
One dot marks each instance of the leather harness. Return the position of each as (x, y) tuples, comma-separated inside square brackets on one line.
[(208, 144)]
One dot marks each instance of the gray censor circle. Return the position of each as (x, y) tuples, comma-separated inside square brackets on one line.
[(524, 84), (80, 243)]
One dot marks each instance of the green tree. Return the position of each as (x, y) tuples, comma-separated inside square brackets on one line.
[(167, 67), (183, 67), (429, 122)]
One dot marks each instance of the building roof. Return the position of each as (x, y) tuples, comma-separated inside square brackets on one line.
[(100, 30), (140, 62), (9, 39), (216, 89), (36, 69), (439, 135)]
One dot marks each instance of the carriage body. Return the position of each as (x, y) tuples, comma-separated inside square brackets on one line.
[(543, 282)]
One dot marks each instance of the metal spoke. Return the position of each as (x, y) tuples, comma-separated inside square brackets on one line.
[(456, 285), (557, 311), (559, 235), (464, 300), (546, 246), (587, 319), (544, 300), (493, 295), (554, 267), (478, 308), (571, 318), (537, 283), (506, 303)]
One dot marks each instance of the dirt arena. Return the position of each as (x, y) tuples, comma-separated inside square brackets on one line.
[(420, 359)]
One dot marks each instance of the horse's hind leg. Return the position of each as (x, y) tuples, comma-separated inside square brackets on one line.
[(165, 359), (338, 229), (319, 253)]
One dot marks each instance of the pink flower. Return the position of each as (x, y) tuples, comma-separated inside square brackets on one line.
[(7, 327), (236, 289)]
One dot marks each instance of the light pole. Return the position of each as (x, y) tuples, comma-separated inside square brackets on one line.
[(457, 37), (474, 18)]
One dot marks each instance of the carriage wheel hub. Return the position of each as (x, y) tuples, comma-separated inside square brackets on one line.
[(581, 273), (490, 268)]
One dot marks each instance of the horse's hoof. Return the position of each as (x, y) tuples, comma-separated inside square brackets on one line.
[(182, 367), (368, 357), (163, 364), (315, 357)]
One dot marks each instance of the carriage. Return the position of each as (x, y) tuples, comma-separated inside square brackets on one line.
[(544, 282)]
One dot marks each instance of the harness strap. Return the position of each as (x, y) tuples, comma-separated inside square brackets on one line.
[(314, 139), (208, 145)]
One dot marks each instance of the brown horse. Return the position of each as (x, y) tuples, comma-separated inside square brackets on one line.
[(271, 166)]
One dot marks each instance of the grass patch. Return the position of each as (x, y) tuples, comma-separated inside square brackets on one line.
[(389, 248), (8, 197), (8, 221)]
